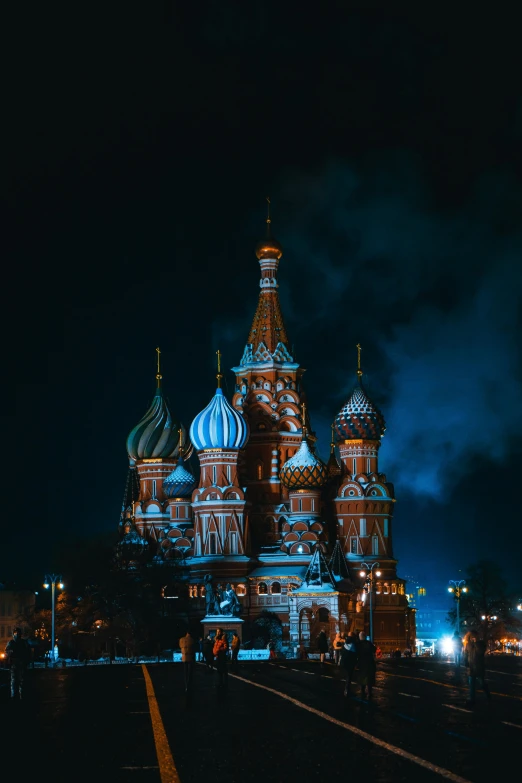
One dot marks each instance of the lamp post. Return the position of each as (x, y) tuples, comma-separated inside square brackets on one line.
[(368, 574), (457, 587), (51, 580)]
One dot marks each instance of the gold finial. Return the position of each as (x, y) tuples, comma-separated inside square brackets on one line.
[(332, 442), (219, 376), (268, 221), (180, 448), (359, 371), (303, 407), (158, 375)]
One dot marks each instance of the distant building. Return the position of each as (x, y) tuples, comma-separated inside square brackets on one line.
[(289, 532), (14, 606)]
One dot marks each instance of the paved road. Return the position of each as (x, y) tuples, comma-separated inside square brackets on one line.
[(284, 721)]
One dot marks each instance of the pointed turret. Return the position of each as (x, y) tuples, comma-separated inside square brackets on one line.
[(318, 574), (338, 565), (267, 339)]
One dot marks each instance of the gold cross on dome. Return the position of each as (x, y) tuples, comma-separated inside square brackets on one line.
[(219, 376), (158, 374), (359, 371)]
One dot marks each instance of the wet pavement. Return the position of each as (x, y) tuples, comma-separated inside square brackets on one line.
[(283, 721)]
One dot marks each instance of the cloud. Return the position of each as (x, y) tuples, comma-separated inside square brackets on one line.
[(432, 291)]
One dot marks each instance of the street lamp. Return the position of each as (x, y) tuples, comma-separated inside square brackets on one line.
[(52, 580), (457, 587), (368, 574)]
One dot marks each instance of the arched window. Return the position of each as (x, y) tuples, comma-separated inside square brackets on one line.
[(241, 590), (324, 615), (259, 470), (275, 588), (262, 588), (386, 587)]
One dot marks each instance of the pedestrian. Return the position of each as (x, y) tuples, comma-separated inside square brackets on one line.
[(474, 660), (458, 648), (322, 645), (235, 646), (348, 660), (200, 649), (338, 643), (18, 655), (188, 650), (366, 664), (220, 651), (208, 652), (271, 647)]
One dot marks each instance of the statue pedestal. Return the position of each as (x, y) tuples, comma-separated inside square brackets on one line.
[(228, 623)]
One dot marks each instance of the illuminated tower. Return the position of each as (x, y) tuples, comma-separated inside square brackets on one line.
[(220, 526), (153, 447), (364, 509), (304, 475), (269, 394), (364, 502)]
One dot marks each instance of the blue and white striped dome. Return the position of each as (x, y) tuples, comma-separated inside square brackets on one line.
[(219, 426)]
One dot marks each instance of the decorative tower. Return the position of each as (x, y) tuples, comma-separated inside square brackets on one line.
[(269, 394), (364, 509), (153, 447), (220, 527), (177, 539), (364, 504), (304, 475)]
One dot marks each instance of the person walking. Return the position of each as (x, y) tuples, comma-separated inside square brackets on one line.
[(208, 652), (366, 664), (458, 648), (188, 650), (474, 660), (348, 660), (220, 652), (338, 644), (235, 646), (18, 655), (322, 645)]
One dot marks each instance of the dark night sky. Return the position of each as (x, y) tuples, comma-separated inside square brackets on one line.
[(139, 151)]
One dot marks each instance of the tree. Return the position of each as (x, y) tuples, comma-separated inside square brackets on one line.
[(487, 606)]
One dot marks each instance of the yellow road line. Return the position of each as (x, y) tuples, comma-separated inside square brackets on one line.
[(167, 768), (446, 773)]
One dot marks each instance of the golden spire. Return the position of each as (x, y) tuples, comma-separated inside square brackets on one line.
[(219, 375), (180, 447), (332, 442), (158, 375), (269, 247), (359, 371), (304, 419)]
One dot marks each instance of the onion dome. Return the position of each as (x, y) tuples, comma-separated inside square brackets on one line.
[(132, 547), (179, 483), (359, 418), (268, 247), (157, 434), (219, 426), (304, 470)]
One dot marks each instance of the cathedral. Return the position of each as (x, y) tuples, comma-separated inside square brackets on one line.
[(304, 543)]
